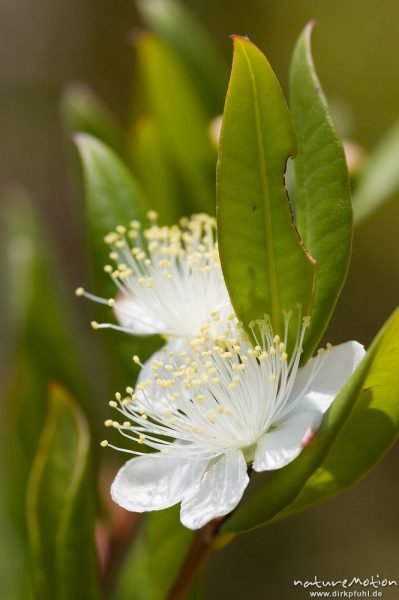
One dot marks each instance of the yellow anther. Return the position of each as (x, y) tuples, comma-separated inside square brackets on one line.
[(79, 291), (211, 416), (104, 443), (118, 396), (126, 402), (272, 378), (284, 356), (200, 398), (112, 404), (144, 417), (263, 356), (272, 351), (152, 215), (126, 424), (115, 424), (141, 439), (94, 325), (224, 410), (111, 238), (281, 347), (135, 224), (276, 339), (108, 269), (215, 380), (108, 423), (111, 302), (329, 346), (121, 229), (136, 359)]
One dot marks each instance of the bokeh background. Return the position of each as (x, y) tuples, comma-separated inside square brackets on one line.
[(46, 45)]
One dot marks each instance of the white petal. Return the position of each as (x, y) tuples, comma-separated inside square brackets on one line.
[(280, 446), (217, 493), (155, 482), (133, 315), (339, 364)]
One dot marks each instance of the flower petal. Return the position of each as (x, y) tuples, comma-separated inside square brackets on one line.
[(339, 364), (154, 482), (131, 313), (217, 493), (280, 446)]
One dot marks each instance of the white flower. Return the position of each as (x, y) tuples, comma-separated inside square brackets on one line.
[(212, 410), (169, 278)]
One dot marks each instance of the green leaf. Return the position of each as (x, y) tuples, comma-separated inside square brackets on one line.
[(371, 428), (154, 170), (323, 206), (60, 505), (84, 112), (41, 344), (156, 557), (113, 196), (175, 24), (378, 179), (265, 266), (41, 321), (356, 431), (182, 121)]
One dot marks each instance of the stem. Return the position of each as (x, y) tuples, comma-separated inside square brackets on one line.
[(198, 554), (203, 545)]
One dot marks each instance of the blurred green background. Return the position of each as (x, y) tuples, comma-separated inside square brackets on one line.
[(47, 45)]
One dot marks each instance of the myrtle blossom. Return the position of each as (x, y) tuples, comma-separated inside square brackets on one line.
[(169, 280), (208, 412)]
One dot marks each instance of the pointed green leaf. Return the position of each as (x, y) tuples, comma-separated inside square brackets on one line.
[(174, 23), (41, 345), (323, 206), (379, 177), (60, 505), (154, 170), (84, 112), (113, 196), (182, 121), (356, 431), (156, 557), (265, 266), (371, 428)]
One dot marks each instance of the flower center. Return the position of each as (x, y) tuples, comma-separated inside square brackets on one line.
[(215, 395)]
